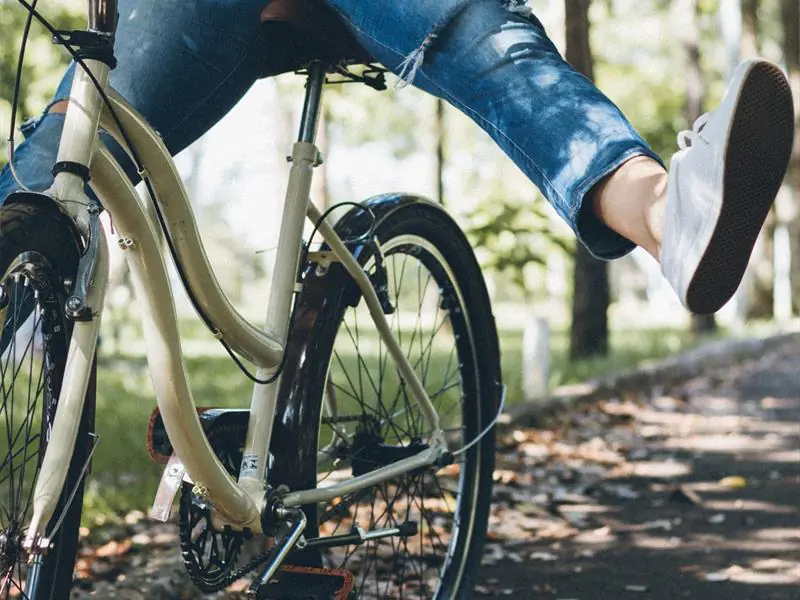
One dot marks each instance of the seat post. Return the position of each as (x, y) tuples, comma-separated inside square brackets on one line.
[(311, 107)]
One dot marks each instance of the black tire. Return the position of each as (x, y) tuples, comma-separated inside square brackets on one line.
[(376, 418), (39, 251)]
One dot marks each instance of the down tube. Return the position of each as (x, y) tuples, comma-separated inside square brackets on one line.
[(162, 341), (263, 348)]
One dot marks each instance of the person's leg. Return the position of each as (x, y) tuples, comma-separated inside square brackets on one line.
[(701, 221), (183, 65), (632, 201), (503, 71)]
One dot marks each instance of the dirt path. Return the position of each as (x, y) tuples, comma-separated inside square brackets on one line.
[(687, 493)]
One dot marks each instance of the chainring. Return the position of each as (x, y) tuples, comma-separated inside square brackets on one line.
[(209, 554)]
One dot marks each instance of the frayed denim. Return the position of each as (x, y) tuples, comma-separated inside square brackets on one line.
[(185, 64)]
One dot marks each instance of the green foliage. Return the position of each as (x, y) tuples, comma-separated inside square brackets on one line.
[(512, 236), (44, 62), (360, 115)]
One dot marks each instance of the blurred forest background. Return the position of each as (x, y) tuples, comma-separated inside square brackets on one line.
[(561, 313)]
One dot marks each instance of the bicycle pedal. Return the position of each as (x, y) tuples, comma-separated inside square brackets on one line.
[(308, 583)]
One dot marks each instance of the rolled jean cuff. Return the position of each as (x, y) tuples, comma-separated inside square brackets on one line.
[(600, 240)]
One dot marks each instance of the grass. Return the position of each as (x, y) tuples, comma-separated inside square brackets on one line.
[(123, 477)]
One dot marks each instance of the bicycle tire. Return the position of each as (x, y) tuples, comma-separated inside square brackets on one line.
[(424, 233), (39, 253)]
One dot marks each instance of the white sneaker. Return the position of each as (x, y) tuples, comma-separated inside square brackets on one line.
[(722, 183)]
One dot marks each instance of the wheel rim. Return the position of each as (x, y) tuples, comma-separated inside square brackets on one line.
[(370, 420), (27, 374)]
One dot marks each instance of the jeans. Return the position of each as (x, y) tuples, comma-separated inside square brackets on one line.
[(184, 64)]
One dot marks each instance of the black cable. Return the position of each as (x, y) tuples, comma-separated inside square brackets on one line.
[(272, 378), (325, 214), (15, 97)]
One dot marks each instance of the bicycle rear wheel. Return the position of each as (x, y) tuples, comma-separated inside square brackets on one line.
[(364, 417), (39, 254)]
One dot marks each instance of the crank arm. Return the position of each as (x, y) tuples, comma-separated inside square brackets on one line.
[(296, 522), (358, 536)]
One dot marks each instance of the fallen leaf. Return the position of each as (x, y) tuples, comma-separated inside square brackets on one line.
[(733, 482), (113, 548), (547, 556), (664, 524)]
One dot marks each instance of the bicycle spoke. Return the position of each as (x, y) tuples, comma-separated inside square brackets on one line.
[(379, 415)]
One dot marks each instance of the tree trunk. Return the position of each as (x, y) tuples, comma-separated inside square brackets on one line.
[(590, 298), (749, 43), (319, 184), (693, 106), (761, 274), (440, 133), (789, 201)]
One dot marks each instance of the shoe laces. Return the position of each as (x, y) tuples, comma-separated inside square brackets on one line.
[(687, 137)]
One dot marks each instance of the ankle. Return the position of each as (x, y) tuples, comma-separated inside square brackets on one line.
[(653, 216), (632, 200)]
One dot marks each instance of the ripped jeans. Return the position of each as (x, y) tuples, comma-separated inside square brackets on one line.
[(184, 64)]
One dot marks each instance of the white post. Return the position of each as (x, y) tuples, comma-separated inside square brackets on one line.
[(536, 359), (782, 291)]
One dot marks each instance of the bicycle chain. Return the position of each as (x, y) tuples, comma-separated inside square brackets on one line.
[(185, 531), (218, 435)]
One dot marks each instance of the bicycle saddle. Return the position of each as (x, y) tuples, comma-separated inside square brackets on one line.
[(313, 31)]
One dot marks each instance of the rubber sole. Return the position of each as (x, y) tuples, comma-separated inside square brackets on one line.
[(757, 156)]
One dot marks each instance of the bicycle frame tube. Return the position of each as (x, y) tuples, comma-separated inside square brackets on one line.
[(168, 372), (174, 203), (238, 505), (263, 349), (80, 127), (305, 157)]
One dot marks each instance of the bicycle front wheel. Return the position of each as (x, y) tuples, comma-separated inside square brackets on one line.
[(366, 418), (38, 258)]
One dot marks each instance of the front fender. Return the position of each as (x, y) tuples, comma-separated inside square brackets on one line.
[(357, 222)]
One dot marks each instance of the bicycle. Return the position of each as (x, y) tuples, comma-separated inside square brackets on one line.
[(341, 448)]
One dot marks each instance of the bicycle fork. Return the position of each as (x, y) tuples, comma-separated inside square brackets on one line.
[(87, 298)]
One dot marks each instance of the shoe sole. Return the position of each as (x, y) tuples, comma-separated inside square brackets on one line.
[(757, 155)]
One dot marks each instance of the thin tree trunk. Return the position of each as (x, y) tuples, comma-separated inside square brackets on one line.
[(760, 278), (789, 201), (590, 298), (749, 43), (441, 138), (693, 107), (319, 184)]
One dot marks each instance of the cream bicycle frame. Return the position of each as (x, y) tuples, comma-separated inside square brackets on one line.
[(241, 503)]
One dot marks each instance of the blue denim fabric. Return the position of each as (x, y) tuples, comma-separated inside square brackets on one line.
[(503, 71), (183, 65)]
